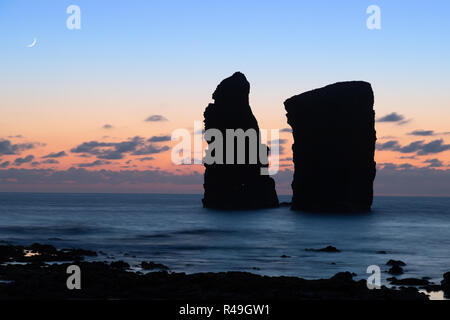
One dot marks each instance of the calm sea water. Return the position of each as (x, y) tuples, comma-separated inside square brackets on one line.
[(176, 231)]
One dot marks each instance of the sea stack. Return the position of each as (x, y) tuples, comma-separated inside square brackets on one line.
[(229, 184), (334, 146)]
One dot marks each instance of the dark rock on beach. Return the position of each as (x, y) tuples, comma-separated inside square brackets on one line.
[(398, 263), (396, 270), (391, 279), (41, 253), (119, 265), (102, 281), (409, 282), (326, 249), (235, 185), (445, 284), (44, 280), (153, 266), (431, 287), (334, 144)]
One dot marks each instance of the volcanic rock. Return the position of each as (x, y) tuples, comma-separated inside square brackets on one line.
[(398, 263), (409, 282), (446, 284), (152, 266), (396, 270), (326, 249), (334, 145), (229, 184)]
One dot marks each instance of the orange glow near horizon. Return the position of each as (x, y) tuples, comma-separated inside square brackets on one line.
[(62, 120)]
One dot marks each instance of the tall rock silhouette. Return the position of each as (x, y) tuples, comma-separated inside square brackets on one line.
[(334, 146), (227, 184)]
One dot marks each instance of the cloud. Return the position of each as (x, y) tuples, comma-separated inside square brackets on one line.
[(405, 166), (408, 180), (93, 164), (412, 147), (91, 147), (389, 145), (156, 118), (21, 161), (391, 179), (50, 161), (434, 163), (107, 126), (286, 130), (74, 177), (419, 147), (117, 150), (150, 149), (146, 159), (394, 117), (4, 164), (424, 133), (120, 148), (159, 139), (435, 146), (17, 136), (281, 150), (404, 122), (7, 148), (55, 155), (278, 141)]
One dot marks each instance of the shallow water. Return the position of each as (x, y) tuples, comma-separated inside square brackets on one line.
[(176, 231)]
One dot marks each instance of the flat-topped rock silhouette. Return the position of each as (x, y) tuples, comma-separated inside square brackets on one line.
[(334, 145), (235, 186)]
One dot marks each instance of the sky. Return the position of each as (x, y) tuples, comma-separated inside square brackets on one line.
[(93, 109)]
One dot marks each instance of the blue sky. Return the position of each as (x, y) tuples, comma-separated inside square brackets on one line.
[(281, 36)]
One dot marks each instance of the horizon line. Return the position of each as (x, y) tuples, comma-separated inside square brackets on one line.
[(197, 194)]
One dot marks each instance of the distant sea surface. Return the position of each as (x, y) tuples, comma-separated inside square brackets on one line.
[(175, 230)]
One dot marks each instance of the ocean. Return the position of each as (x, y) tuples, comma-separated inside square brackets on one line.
[(176, 231)]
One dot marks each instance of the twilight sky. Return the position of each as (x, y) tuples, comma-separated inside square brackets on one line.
[(91, 110)]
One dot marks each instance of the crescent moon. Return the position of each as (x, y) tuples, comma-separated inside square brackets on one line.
[(32, 44)]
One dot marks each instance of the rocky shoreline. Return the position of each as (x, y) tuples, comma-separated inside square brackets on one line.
[(39, 272)]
